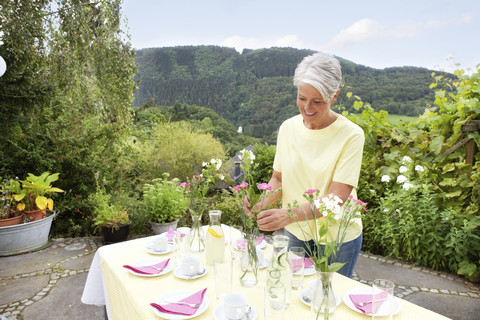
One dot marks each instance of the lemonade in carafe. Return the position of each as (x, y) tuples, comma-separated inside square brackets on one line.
[(215, 240)]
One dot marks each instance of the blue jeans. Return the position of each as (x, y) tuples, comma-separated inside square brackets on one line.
[(348, 252)]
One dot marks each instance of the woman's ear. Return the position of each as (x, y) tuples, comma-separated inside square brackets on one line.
[(335, 97)]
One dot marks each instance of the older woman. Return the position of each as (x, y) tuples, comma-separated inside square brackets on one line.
[(317, 149)]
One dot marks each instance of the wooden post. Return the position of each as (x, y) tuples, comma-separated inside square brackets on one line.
[(471, 146)]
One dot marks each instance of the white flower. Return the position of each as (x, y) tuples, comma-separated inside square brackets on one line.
[(337, 199), (385, 178), (222, 177), (204, 164), (406, 159), (317, 203), (219, 164), (419, 168), (402, 169), (407, 185), (401, 179), (246, 153)]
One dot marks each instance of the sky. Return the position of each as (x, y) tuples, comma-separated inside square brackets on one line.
[(438, 35)]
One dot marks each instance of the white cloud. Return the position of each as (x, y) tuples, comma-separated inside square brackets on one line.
[(361, 31)]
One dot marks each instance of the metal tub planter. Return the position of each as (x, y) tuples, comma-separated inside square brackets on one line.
[(25, 237)]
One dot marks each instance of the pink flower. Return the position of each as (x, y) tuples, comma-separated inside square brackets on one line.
[(264, 186), (243, 185), (350, 197), (236, 188), (184, 184), (311, 191)]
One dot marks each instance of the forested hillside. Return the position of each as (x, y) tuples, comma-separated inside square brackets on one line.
[(254, 89)]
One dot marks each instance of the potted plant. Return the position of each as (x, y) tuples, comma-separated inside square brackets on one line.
[(164, 203), (110, 217), (31, 193), (9, 214), (34, 195)]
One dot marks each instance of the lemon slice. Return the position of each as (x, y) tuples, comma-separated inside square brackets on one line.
[(213, 233)]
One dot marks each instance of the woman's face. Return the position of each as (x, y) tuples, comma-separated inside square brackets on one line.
[(315, 111)]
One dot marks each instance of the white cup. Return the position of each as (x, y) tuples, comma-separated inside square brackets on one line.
[(235, 306), (160, 243), (190, 266)]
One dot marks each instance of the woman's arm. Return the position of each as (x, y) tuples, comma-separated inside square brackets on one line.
[(274, 219)]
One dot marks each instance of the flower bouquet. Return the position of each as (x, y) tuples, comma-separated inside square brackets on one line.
[(256, 198), (196, 189), (336, 218)]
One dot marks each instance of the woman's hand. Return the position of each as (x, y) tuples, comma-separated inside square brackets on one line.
[(273, 219), (246, 207)]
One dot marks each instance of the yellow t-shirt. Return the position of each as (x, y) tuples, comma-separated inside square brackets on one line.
[(312, 159)]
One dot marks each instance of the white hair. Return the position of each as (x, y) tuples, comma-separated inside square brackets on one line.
[(322, 71)]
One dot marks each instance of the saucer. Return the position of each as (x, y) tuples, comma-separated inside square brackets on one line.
[(308, 293), (150, 249), (309, 271), (219, 314), (179, 274), (176, 296)]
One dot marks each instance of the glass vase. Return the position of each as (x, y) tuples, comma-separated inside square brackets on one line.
[(196, 237), (323, 302), (279, 270), (249, 262)]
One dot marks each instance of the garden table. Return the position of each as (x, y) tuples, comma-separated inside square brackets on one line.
[(127, 296)]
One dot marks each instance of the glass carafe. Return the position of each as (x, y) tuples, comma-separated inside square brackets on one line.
[(279, 270), (215, 239)]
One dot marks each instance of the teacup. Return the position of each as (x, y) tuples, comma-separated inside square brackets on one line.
[(235, 306), (160, 243), (190, 266)]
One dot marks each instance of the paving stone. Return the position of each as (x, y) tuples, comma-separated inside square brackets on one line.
[(20, 289)]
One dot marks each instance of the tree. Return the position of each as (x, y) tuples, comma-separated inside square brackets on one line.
[(66, 97)]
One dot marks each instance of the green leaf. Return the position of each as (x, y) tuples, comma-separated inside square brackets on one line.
[(334, 267), (436, 144), (466, 268)]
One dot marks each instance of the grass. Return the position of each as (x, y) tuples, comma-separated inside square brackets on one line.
[(396, 119)]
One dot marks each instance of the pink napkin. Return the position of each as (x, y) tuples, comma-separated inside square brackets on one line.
[(170, 234), (260, 239), (308, 263), (240, 244), (197, 297), (296, 264), (367, 298), (149, 269)]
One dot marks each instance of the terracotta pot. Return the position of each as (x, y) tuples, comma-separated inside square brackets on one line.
[(35, 215), (11, 221)]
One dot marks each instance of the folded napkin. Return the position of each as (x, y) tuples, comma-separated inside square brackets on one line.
[(367, 299), (152, 269), (240, 243), (308, 262), (170, 234), (183, 309), (296, 264), (260, 239)]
